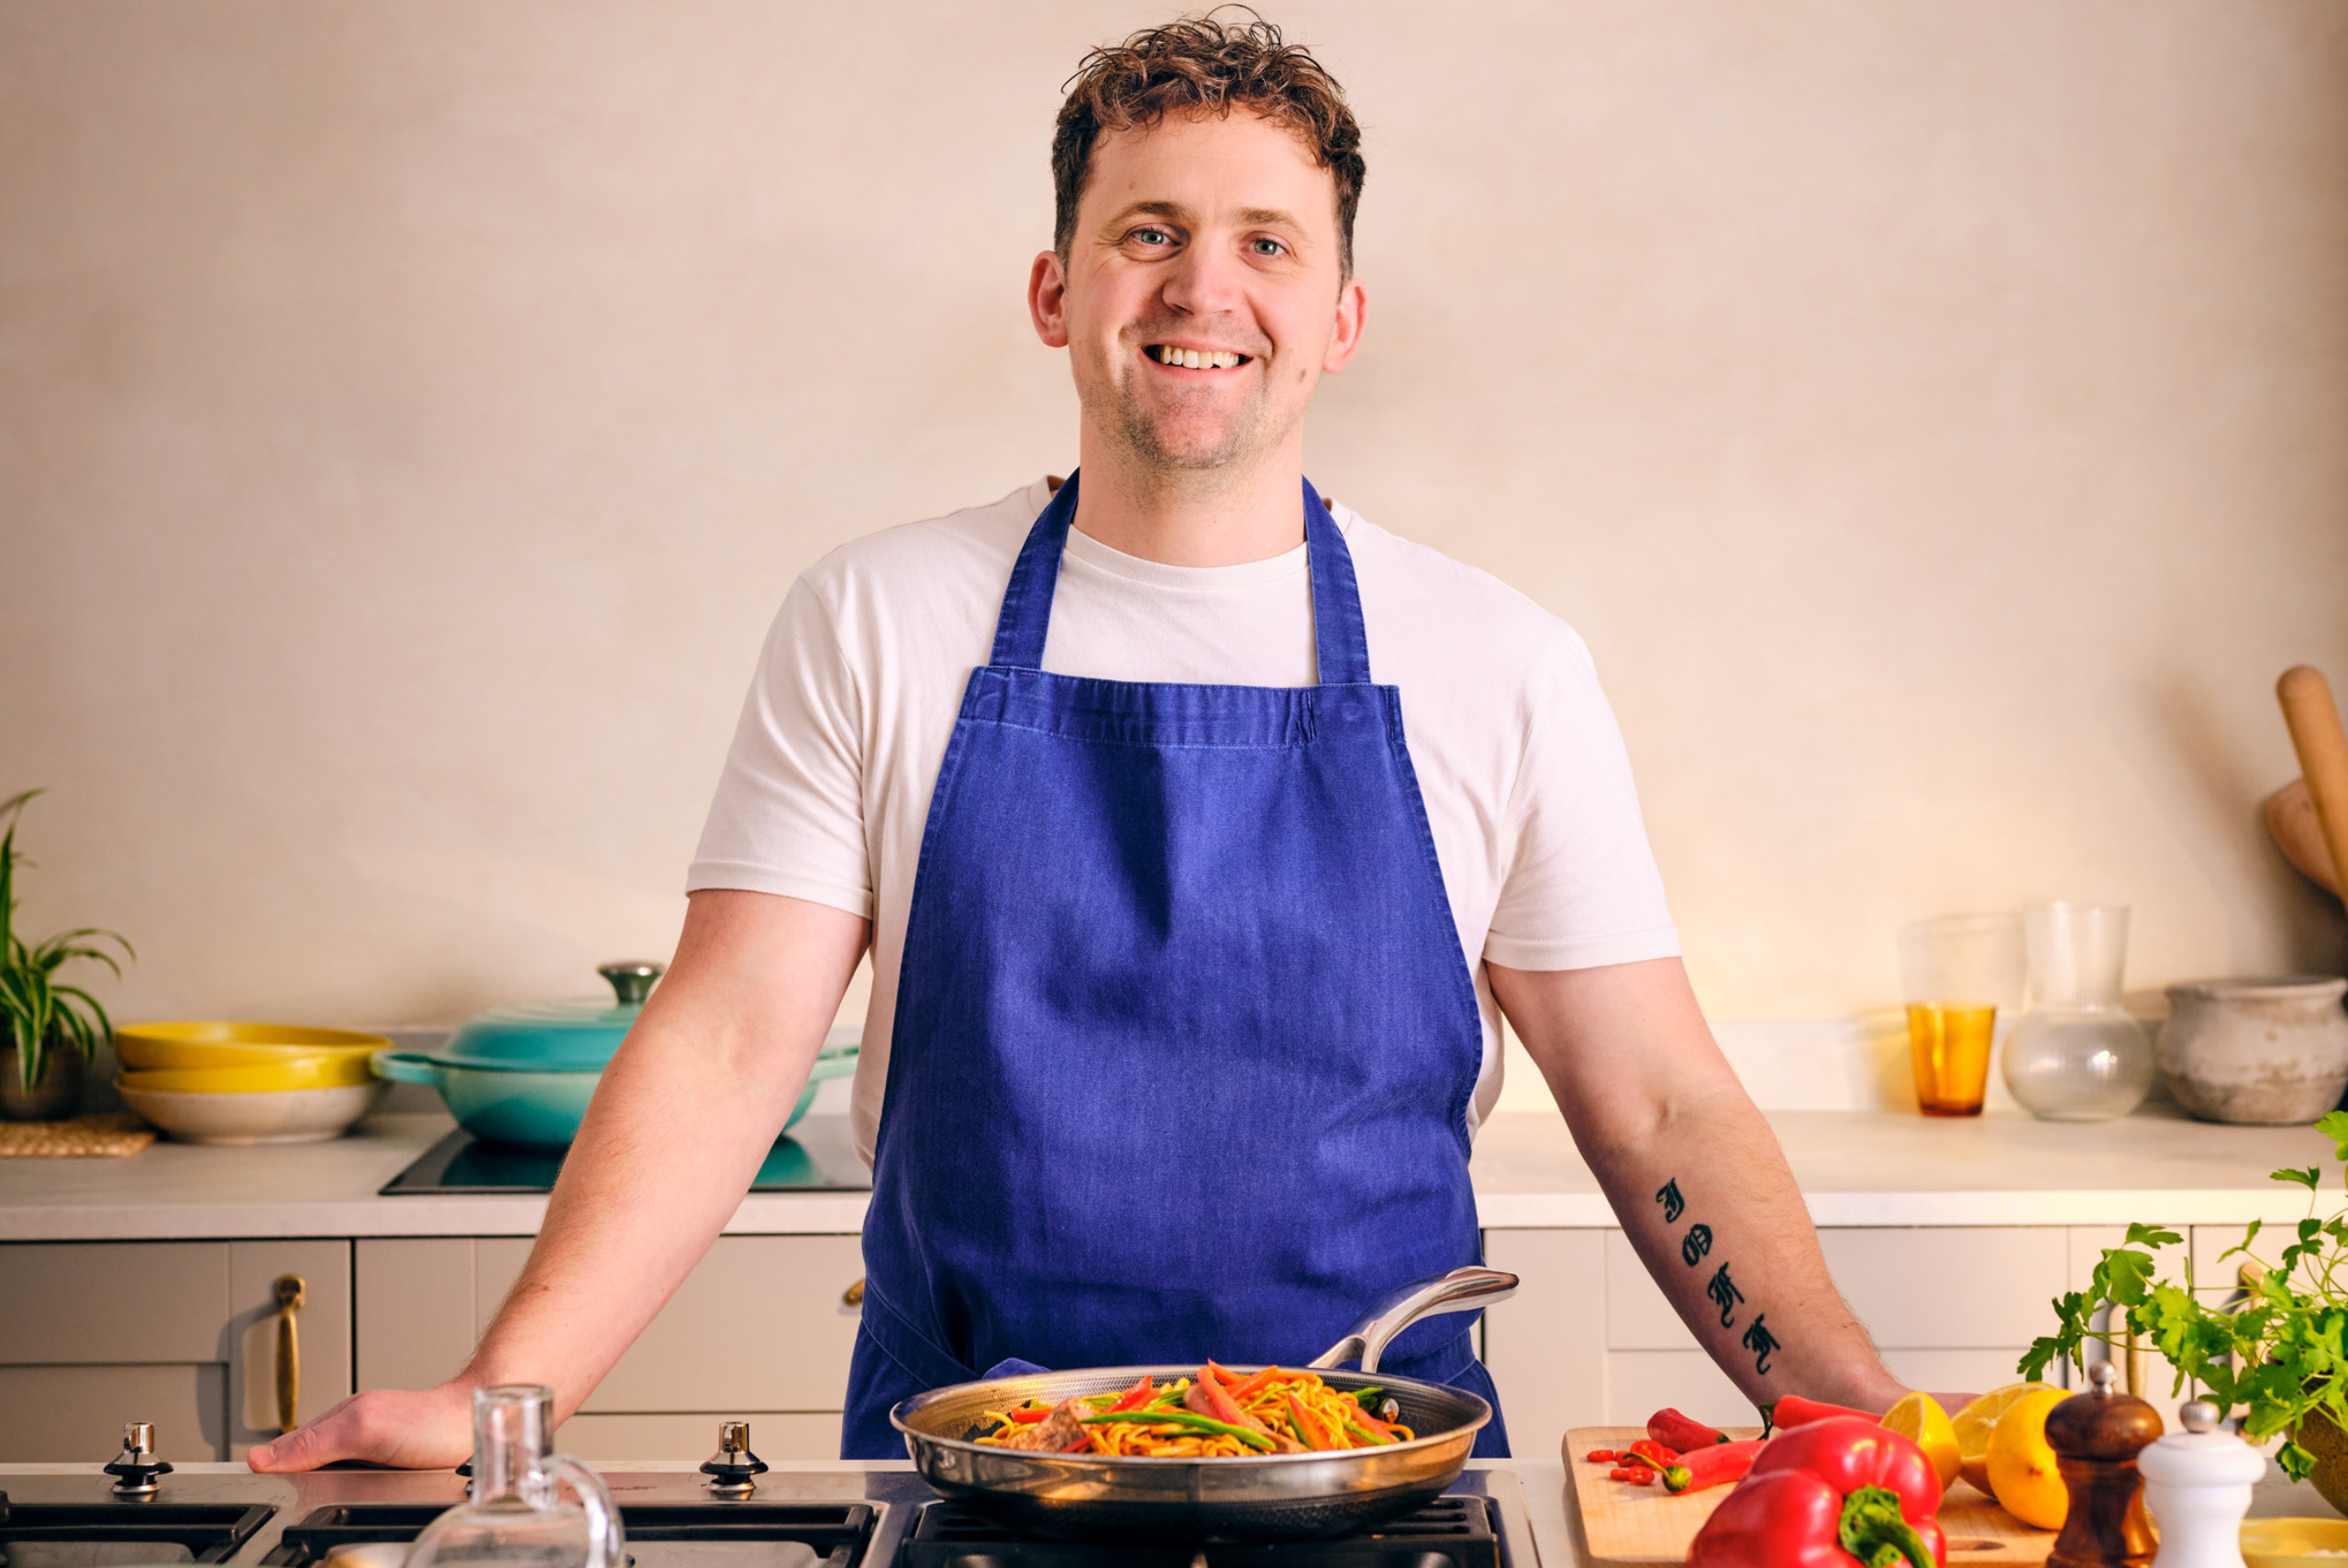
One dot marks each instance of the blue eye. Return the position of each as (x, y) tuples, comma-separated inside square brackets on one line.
[(1153, 236), (1267, 246)]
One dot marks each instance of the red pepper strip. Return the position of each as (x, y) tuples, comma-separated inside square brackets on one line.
[(1029, 1417), (1308, 1426), (1680, 1434), (1714, 1466), (1793, 1411), (1602, 1456), (1374, 1424), (1140, 1394), (1371, 1439), (1649, 1451), (1218, 1400), (1825, 1489), (1255, 1384)]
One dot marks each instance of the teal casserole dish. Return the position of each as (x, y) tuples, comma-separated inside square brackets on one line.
[(525, 1073)]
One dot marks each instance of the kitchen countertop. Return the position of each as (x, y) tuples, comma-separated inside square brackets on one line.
[(1855, 1167), (1547, 1504)]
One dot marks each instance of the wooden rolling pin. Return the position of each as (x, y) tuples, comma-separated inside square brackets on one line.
[(2315, 735)]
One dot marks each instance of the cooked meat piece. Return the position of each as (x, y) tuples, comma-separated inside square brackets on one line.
[(1200, 1403), (1055, 1432)]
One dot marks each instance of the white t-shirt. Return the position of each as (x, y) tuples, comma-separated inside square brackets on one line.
[(1527, 788)]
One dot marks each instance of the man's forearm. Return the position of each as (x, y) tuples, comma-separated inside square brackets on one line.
[(684, 1115), (1709, 1204), (1696, 1176)]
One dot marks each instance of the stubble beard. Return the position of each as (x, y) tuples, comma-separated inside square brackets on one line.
[(1174, 460)]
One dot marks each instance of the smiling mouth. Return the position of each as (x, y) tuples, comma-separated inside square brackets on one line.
[(1195, 358)]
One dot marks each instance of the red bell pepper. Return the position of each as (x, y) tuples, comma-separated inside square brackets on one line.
[(1028, 1418), (1793, 1411), (1140, 1394), (1824, 1493), (1681, 1433), (1715, 1466), (1218, 1397)]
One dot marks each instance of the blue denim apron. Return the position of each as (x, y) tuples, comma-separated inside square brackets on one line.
[(1184, 1039)]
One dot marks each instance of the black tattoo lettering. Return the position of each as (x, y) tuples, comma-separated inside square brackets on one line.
[(1761, 1342), (1695, 1244), (1674, 1206), (1726, 1296)]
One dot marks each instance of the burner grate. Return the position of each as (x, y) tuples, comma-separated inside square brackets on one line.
[(207, 1532), (1450, 1532), (748, 1534)]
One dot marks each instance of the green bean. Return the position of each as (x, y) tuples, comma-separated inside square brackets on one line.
[(1254, 1439)]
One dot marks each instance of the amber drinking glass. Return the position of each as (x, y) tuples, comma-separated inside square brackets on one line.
[(1957, 972)]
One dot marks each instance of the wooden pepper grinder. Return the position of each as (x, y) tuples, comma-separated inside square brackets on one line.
[(2096, 1438)]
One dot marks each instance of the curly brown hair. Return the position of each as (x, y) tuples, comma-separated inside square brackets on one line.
[(1201, 65)]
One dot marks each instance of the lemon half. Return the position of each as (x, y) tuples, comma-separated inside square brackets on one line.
[(1975, 1423), (1920, 1418), (2022, 1475)]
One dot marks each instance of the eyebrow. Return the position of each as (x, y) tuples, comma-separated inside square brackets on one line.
[(1175, 212)]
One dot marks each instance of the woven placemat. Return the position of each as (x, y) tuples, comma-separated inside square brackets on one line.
[(82, 1137)]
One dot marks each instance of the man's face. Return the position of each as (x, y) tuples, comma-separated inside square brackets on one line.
[(1202, 296)]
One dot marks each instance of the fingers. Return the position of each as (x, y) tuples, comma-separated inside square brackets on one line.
[(427, 1430), (306, 1447)]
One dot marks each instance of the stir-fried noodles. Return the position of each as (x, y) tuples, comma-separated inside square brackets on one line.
[(1218, 1414)]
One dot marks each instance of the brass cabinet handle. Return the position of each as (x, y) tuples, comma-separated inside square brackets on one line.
[(854, 1295), (291, 1292)]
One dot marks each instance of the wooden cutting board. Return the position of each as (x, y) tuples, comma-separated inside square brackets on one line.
[(1634, 1527)]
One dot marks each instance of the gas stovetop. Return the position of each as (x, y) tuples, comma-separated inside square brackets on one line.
[(851, 1517)]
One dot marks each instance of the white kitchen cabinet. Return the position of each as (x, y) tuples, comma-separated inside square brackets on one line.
[(1546, 1346), (761, 1329), (1949, 1308), (93, 1334)]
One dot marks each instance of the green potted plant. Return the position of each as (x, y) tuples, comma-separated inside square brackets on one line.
[(52, 1028), (2272, 1344)]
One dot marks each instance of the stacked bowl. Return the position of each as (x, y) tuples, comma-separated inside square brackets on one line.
[(207, 1082)]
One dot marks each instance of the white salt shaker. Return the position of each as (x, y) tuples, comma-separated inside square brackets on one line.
[(2197, 1485)]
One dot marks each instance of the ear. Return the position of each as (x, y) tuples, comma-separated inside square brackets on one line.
[(1047, 300), (1344, 337)]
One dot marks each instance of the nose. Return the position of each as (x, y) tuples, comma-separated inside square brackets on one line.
[(1204, 283)]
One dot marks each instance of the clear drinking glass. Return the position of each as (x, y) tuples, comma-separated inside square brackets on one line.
[(2076, 1055), (1956, 973), (514, 1514)]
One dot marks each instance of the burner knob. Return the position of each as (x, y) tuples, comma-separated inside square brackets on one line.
[(135, 1468), (732, 1468)]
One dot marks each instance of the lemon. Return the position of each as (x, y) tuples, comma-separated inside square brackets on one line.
[(1920, 1418), (1973, 1423), (2022, 1475)]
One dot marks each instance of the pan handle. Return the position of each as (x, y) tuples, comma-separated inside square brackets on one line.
[(1461, 1290)]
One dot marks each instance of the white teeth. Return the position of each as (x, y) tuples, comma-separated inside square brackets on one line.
[(1189, 359), (1194, 358)]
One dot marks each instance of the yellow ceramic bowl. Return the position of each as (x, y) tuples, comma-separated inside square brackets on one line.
[(293, 1073), (209, 1044), (2294, 1544)]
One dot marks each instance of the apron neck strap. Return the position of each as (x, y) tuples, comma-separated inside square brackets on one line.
[(1341, 640)]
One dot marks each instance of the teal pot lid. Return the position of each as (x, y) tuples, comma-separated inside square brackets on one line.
[(570, 1035)]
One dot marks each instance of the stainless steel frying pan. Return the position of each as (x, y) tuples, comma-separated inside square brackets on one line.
[(1260, 1497)]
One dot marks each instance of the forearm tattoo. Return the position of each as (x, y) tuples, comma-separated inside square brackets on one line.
[(1695, 1246)]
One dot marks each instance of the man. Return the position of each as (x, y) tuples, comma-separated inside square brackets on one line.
[(1200, 830)]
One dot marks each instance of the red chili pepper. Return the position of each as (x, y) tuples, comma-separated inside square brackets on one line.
[(1602, 1455), (1793, 1411), (1682, 1433), (1636, 1475), (1649, 1451), (1140, 1394), (1826, 1493), (1715, 1466)]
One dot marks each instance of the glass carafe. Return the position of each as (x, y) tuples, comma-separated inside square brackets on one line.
[(2075, 1055), (514, 1514)]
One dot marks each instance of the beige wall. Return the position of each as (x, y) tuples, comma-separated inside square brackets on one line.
[(1935, 414)]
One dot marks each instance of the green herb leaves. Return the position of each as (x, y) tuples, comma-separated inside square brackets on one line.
[(2272, 1344)]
